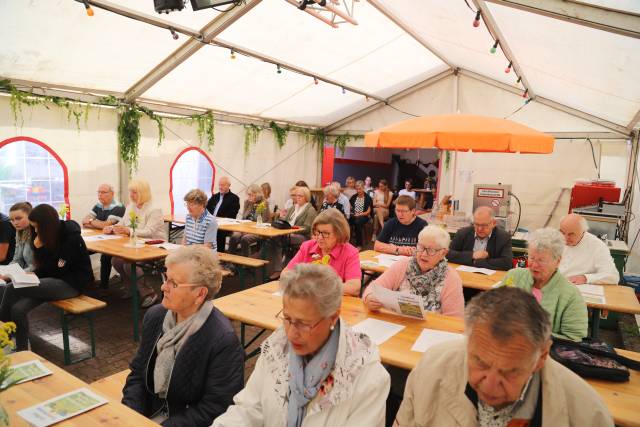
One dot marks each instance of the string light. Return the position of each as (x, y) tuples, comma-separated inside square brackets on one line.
[(476, 22), (233, 54), (279, 71), (173, 33), (519, 80), (508, 69), (315, 80), (494, 47), (88, 7), (366, 98), (525, 93), (343, 91)]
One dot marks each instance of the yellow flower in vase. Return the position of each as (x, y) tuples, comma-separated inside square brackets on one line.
[(63, 210), (133, 221)]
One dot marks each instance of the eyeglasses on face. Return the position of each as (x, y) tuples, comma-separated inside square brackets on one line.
[(175, 285), (302, 327), (323, 234), (429, 251)]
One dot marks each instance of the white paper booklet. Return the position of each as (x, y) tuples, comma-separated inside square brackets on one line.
[(430, 337), (593, 294), (62, 407), (168, 246), (470, 269), (387, 260), (378, 330), (27, 371), (18, 277), (98, 237), (405, 304)]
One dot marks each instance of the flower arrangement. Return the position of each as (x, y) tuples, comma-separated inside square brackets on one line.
[(260, 209), (134, 219), (63, 210), (6, 330), (324, 260)]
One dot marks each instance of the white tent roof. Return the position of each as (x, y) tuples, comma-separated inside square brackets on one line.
[(397, 45)]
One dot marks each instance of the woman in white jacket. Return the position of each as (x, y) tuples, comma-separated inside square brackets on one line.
[(315, 370)]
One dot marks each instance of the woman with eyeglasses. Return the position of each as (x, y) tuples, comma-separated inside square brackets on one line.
[(190, 363), (314, 370), (330, 246), (426, 274)]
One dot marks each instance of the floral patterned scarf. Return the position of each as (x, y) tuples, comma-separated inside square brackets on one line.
[(428, 285)]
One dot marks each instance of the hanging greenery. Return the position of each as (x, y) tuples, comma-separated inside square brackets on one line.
[(206, 126), (129, 136), (340, 142), (156, 118), (447, 160), (279, 133), (251, 134)]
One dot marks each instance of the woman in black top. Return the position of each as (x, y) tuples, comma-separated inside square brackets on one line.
[(361, 205), (61, 263)]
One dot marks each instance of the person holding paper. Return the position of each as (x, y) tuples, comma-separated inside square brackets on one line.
[(501, 375), (426, 274), (149, 225), (190, 363), (314, 370), (255, 198), (7, 239), (399, 236), (556, 294), (107, 211), (61, 263), (200, 227), (482, 244), (23, 255), (330, 246), (586, 258)]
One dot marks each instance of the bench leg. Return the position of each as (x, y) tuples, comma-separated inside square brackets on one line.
[(135, 304), (65, 339), (241, 276), (92, 334)]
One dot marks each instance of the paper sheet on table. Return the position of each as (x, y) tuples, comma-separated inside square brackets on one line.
[(168, 246), (386, 260), (405, 304), (263, 225), (226, 221), (98, 237), (62, 407), (378, 330), (593, 294), (27, 371), (430, 337), (470, 269)]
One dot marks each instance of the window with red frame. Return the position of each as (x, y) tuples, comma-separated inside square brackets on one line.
[(31, 171), (191, 169)]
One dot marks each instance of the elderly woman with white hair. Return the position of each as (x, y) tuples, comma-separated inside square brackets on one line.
[(426, 274), (331, 195), (190, 363), (556, 294), (314, 370)]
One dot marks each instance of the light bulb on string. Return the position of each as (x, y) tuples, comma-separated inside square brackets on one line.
[(278, 70), (494, 47), (525, 93), (233, 54), (366, 98), (519, 79), (315, 80), (476, 22), (343, 91), (173, 33), (88, 7), (508, 69)]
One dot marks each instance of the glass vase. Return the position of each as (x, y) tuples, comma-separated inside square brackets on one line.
[(259, 219)]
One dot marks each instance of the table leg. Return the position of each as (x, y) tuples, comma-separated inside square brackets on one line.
[(595, 322), (134, 301)]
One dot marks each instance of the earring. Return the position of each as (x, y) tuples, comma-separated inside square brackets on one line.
[(332, 327)]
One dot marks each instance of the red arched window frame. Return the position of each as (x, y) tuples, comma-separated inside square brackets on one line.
[(180, 154), (54, 155)]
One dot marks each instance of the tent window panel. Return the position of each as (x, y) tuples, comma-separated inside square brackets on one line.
[(191, 169), (30, 171)]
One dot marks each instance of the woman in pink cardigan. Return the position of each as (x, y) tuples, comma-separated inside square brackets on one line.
[(427, 274)]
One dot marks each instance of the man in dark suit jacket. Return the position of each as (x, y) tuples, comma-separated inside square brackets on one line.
[(224, 204), (482, 244)]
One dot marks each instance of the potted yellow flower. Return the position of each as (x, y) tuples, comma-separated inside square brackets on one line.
[(6, 329), (260, 208), (134, 220)]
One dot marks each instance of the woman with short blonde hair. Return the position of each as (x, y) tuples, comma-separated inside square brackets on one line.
[(254, 206)]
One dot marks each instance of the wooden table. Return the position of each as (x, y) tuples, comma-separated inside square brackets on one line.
[(116, 248), (258, 306), (620, 299), (30, 393)]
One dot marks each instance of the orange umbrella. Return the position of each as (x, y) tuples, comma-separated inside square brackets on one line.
[(461, 132)]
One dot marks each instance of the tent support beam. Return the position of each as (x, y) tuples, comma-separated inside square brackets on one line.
[(581, 13), (549, 103), (426, 83), (393, 18), (588, 135), (497, 34), (634, 121), (188, 48)]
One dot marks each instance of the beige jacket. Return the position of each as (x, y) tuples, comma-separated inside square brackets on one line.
[(434, 395)]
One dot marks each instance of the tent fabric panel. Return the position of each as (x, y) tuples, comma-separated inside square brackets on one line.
[(581, 67), (57, 43)]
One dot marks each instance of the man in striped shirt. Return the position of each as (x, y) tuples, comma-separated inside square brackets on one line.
[(200, 226)]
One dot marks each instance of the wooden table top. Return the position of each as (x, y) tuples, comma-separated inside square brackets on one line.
[(30, 393), (258, 306), (620, 299), (245, 227), (115, 247)]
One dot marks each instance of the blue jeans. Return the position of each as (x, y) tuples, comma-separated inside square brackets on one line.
[(15, 304)]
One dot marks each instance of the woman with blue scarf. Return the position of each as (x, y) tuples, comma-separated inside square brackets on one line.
[(314, 370)]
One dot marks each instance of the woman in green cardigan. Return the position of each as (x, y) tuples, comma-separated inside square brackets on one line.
[(556, 294)]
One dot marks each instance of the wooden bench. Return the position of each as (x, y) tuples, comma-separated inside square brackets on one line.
[(244, 263), (80, 306), (112, 385)]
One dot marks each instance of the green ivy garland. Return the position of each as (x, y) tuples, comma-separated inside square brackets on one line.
[(279, 133), (251, 134), (340, 142), (129, 136)]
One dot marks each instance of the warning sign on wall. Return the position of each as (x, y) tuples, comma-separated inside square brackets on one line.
[(493, 193)]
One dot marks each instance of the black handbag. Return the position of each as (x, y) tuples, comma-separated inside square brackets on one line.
[(281, 224), (592, 359)]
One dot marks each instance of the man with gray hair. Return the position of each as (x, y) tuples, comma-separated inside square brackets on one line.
[(500, 374), (343, 200), (108, 211), (586, 259)]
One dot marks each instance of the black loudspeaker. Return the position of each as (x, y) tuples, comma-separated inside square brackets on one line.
[(166, 6), (204, 4)]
